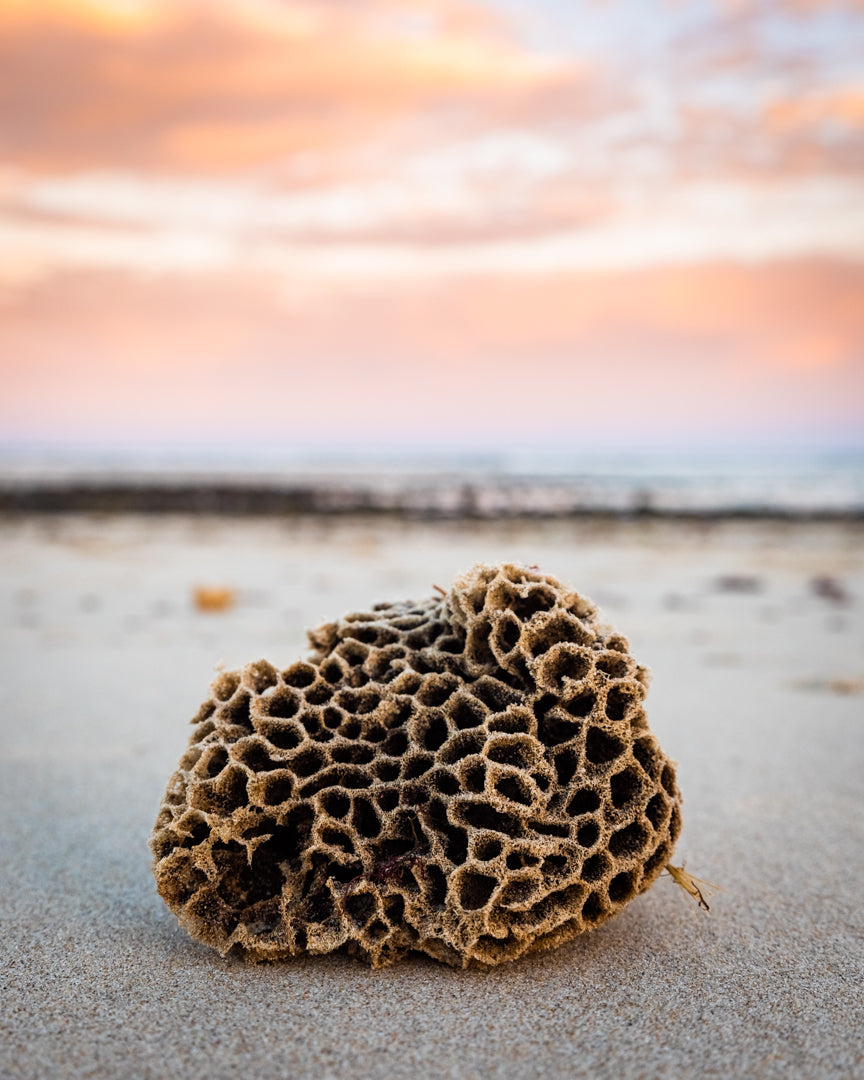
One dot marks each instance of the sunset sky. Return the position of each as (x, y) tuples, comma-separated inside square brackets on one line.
[(432, 224)]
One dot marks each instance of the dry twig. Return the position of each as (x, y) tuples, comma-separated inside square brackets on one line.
[(694, 887)]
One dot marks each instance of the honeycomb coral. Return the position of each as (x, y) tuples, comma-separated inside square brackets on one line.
[(471, 776)]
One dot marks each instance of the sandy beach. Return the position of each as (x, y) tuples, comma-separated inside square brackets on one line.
[(754, 632)]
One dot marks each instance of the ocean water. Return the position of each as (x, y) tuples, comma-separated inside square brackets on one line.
[(503, 483)]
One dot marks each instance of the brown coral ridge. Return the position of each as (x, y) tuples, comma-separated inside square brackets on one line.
[(471, 776)]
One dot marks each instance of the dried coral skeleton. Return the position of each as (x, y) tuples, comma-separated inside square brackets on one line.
[(471, 776)]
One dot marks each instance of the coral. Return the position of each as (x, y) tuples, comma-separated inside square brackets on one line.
[(471, 776)]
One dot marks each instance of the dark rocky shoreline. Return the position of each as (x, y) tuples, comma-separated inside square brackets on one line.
[(445, 499)]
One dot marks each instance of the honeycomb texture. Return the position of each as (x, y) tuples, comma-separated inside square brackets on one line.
[(471, 776)]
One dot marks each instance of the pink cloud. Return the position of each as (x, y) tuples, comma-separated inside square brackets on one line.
[(689, 352)]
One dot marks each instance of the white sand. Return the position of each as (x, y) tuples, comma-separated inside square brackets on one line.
[(757, 695)]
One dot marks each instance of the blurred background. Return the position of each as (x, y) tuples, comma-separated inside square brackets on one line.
[(614, 245)]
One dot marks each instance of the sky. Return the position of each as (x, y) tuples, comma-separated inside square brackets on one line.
[(333, 225)]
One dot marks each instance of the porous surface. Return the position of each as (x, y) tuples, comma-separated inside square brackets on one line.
[(471, 776)]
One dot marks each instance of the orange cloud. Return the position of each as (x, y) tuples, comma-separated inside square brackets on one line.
[(208, 86), (781, 140), (764, 92), (107, 16), (838, 109)]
